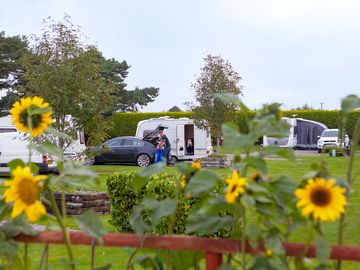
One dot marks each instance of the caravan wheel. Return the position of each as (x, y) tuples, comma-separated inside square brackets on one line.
[(173, 160)]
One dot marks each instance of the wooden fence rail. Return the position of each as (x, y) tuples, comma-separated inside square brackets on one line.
[(213, 248)]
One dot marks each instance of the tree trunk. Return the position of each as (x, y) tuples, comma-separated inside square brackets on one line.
[(218, 139)]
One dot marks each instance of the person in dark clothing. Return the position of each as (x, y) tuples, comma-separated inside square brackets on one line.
[(167, 146)]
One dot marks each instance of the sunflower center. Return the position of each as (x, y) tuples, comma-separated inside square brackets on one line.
[(28, 191), (35, 119), (320, 197), (233, 188)]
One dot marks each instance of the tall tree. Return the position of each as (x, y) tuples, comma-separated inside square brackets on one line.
[(217, 76), (174, 109), (12, 48), (127, 100), (68, 74)]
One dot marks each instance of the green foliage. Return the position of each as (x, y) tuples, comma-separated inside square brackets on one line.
[(160, 187), (125, 123), (11, 50), (217, 76)]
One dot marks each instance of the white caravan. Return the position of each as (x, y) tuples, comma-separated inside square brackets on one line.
[(180, 132), (13, 145), (303, 134)]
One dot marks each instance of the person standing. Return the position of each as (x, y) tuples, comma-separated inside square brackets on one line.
[(159, 150), (167, 145)]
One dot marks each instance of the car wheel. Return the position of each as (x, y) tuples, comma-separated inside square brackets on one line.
[(143, 160), (319, 150), (89, 161)]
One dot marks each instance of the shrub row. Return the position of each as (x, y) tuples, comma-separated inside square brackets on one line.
[(123, 198), (126, 123)]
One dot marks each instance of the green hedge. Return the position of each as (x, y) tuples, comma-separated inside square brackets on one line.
[(123, 198), (126, 123)]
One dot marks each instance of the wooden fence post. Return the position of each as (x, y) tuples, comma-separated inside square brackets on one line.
[(212, 260)]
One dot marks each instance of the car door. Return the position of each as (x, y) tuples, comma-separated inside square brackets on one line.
[(113, 154), (128, 150)]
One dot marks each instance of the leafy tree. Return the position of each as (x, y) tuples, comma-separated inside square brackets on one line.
[(174, 109), (68, 74), (11, 50), (217, 76), (127, 100)]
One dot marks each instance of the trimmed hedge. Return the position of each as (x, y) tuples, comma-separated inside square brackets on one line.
[(123, 198), (126, 123)]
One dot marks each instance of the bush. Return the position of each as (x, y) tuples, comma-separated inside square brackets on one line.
[(123, 198)]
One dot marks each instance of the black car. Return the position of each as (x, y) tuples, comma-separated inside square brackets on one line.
[(126, 150)]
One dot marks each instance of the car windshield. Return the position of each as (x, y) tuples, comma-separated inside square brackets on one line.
[(330, 133)]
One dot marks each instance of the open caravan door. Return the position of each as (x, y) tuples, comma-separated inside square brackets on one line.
[(180, 140)]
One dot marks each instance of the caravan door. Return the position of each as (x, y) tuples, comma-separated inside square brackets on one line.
[(180, 140)]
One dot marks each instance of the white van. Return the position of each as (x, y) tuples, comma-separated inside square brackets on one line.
[(13, 145), (182, 133)]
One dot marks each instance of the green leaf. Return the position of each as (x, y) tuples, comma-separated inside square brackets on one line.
[(279, 151), (233, 139), (8, 248), (142, 177), (91, 224), (256, 188), (146, 262), (247, 201), (18, 225), (350, 103), (34, 168), (262, 199), (257, 163), (230, 98), (32, 110), (202, 182), (58, 134), (322, 250), (159, 210), (204, 224), (49, 148), (15, 163)]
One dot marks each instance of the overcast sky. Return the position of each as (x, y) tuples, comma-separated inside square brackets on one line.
[(292, 52)]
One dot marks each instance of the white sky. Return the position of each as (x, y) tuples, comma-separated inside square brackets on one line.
[(292, 52)]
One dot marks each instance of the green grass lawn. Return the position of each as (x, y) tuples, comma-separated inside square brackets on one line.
[(295, 169)]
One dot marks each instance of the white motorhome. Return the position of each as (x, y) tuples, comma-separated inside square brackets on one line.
[(13, 145), (187, 141), (303, 134)]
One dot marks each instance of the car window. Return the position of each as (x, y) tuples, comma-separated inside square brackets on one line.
[(113, 143), (131, 142)]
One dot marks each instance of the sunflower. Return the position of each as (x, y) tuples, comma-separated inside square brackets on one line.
[(255, 176), (183, 182), (24, 190), (235, 187), (196, 165), (39, 121), (322, 199)]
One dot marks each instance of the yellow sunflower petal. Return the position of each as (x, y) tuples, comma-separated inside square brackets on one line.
[(35, 211)]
